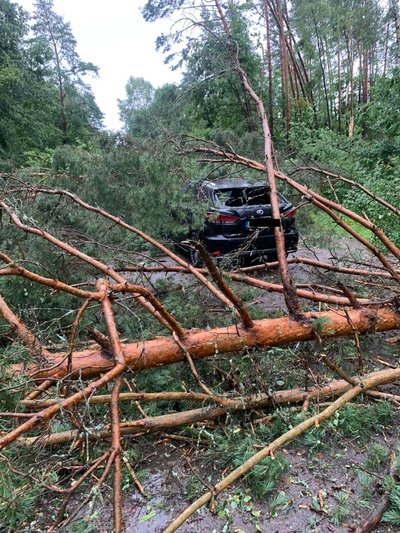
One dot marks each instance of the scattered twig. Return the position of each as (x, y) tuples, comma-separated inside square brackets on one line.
[(134, 476)]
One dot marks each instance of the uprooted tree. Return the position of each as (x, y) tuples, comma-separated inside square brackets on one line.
[(71, 377)]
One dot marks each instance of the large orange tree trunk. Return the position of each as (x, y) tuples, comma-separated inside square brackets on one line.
[(207, 343)]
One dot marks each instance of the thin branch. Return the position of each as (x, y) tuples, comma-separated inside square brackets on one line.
[(19, 329), (353, 184), (224, 287), (136, 231), (192, 367), (18, 270), (119, 358), (142, 295), (291, 300)]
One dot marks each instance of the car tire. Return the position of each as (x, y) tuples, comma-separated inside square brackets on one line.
[(194, 256)]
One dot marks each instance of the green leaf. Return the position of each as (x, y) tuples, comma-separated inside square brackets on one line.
[(146, 517)]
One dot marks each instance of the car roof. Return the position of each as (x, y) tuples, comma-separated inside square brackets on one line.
[(232, 183)]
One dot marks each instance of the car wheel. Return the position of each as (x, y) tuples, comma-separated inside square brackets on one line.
[(194, 256)]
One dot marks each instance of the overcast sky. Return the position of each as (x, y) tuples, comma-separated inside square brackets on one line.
[(115, 37)]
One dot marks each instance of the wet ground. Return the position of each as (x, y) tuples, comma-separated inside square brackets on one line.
[(312, 490)]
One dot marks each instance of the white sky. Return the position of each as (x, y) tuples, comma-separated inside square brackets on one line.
[(115, 37)]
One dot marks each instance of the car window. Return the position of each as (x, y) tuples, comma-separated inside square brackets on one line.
[(231, 197), (258, 196), (236, 197)]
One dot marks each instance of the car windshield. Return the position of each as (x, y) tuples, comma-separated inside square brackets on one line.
[(237, 197)]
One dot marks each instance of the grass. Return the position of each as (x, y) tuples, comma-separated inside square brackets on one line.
[(321, 228), (342, 508)]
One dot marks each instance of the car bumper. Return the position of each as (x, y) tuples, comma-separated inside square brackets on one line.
[(263, 244)]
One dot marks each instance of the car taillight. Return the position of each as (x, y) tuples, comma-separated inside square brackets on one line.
[(222, 219), (291, 213)]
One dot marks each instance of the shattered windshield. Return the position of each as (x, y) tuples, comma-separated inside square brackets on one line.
[(237, 197)]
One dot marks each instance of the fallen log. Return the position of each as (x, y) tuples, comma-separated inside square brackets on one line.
[(282, 397), (207, 343), (192, 416), (98, 399)]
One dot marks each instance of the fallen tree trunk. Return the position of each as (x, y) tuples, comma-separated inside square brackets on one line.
[(282, 397), (206, 343), (173, 420)]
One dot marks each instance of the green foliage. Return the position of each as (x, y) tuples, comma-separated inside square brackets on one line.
[(279, 504), (351, 422), (42, 93), (319, 324), (233, 449), (49, 119), (139, 96), (376, 455), (85, 525), (392, 515), (374, 163), (16, 503), (77, 110), (341, 510), (365, 481)]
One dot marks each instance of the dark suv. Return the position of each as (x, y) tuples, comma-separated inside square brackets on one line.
[(239, 220)]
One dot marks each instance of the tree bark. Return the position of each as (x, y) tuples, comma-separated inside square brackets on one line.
[(320, 54), (351, 89), (291, 300), (174, 420), (208, 343), (339, 89), (19, 329)]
